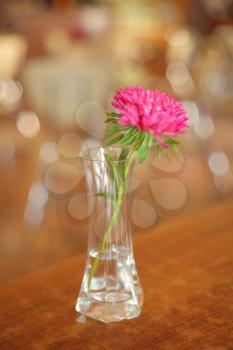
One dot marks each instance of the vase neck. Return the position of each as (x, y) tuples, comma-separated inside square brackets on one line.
[(109, 200)]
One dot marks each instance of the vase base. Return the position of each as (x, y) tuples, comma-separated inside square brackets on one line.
[(115, 307)]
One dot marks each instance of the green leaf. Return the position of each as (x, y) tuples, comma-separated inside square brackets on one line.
[(113, 114), (124, 154), (122, 159), (171, 141), (144, 147), (111, 130), (113, 140), (139, 140), (129, 137), (143, 153), (151, 140), (110, 120)]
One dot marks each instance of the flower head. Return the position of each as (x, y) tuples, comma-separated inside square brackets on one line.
[(152, 111)]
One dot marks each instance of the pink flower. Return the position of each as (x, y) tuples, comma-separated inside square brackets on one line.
[(152, 111)]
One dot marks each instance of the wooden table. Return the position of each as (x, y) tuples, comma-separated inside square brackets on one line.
[(186, 269)]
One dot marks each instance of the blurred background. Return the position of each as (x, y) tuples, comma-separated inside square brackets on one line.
[(60, 63)]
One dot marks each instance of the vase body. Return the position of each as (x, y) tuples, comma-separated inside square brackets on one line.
[(110, 289)]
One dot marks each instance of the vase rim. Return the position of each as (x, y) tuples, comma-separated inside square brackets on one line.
[(88, 154)]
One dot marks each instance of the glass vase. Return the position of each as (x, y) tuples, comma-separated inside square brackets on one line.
[(110, 289)]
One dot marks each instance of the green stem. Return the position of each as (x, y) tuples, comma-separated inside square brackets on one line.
[(112, 222), (106, 237)]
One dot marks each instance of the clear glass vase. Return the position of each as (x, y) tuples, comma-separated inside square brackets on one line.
[(110, 289)]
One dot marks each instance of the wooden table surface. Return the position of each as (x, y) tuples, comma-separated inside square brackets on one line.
[(186, 269)]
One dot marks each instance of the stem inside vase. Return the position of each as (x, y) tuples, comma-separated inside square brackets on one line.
[(110, 290)]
